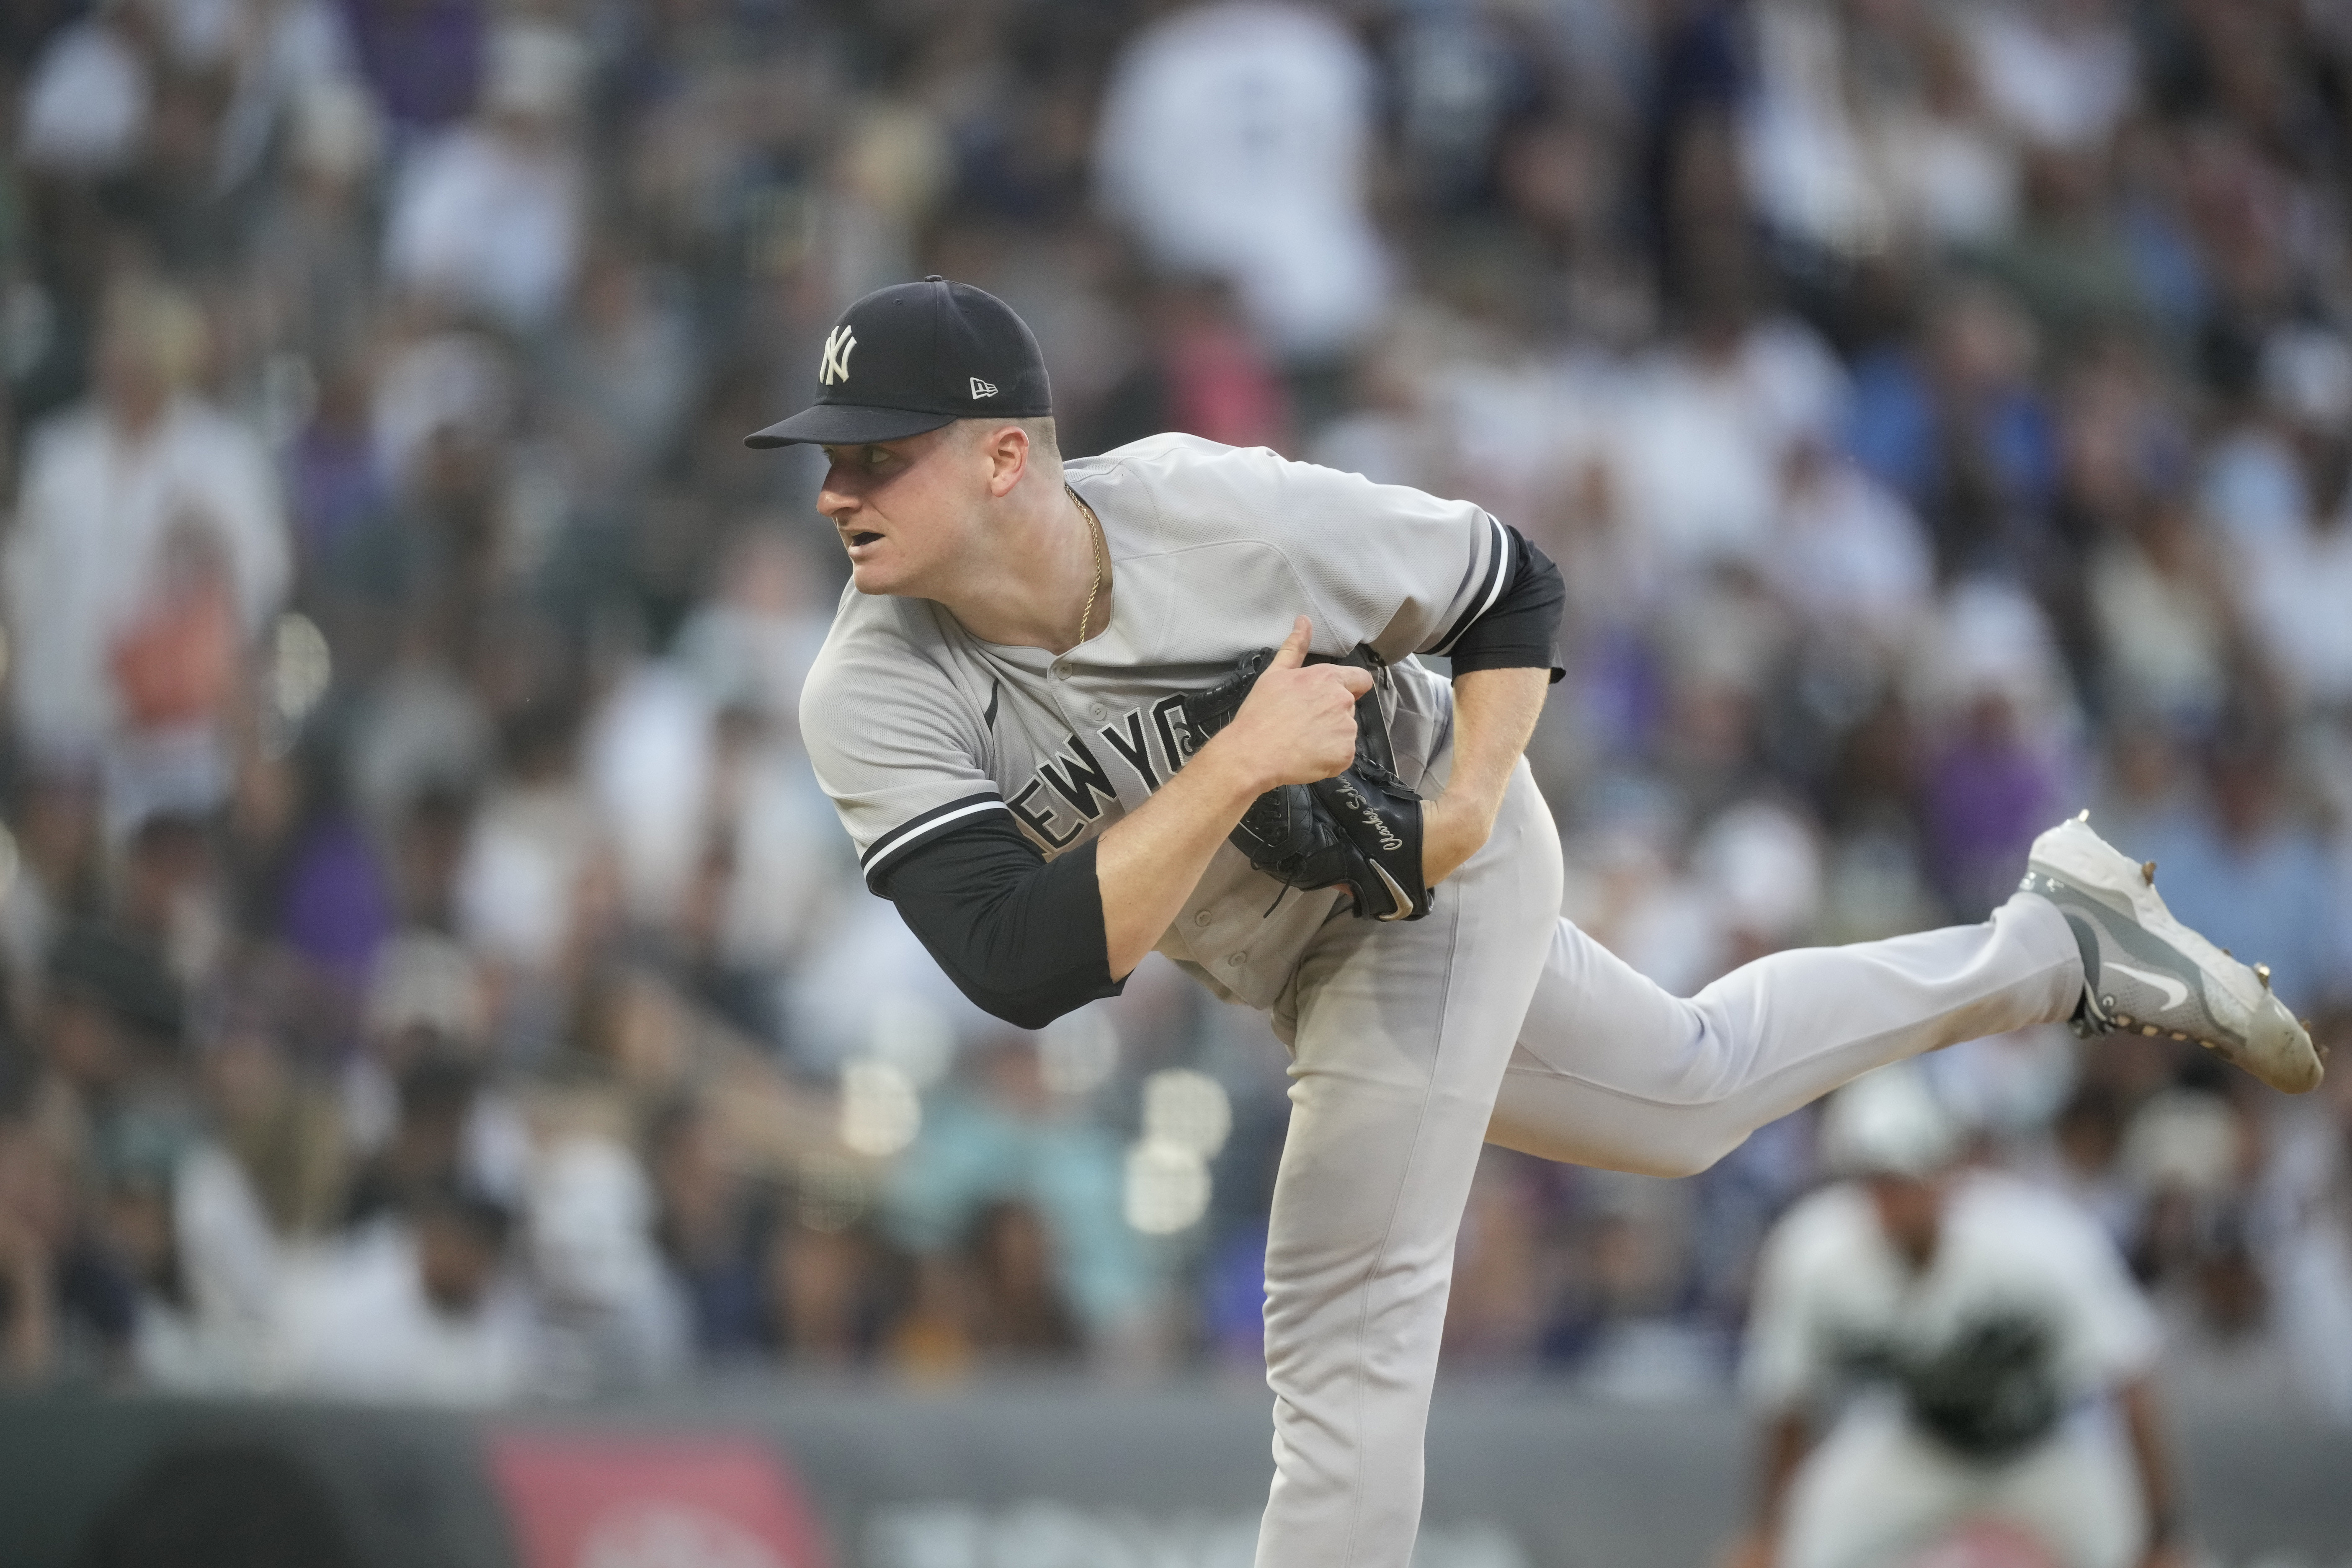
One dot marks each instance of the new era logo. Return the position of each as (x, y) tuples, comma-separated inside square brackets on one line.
[(981, 389), (835, 364)]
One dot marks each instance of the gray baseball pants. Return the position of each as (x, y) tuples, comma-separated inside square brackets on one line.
[(1495, 1020)]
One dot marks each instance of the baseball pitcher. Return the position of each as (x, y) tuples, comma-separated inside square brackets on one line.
[(1169, 699)]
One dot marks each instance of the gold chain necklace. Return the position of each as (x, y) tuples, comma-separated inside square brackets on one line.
[(1095, 539)]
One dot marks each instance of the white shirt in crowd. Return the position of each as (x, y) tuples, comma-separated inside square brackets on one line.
[(212, 1338), (354, 1322), (489, 220), (2059, 75), (2296, 591), (93, 512), (609, 1310), (86, 103), (1235, 137), (1700, 438), (2303, 1231), (1847, 553), (1849, 170)]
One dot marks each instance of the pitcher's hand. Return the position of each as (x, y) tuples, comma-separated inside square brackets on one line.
[(1299, 722)]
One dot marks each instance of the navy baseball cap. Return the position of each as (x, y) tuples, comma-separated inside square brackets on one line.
[(913, 357)]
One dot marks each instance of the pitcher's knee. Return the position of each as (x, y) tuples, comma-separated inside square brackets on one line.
[(1714, 1060)]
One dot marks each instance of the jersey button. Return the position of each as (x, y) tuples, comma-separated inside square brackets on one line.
[(1062, 672), (1202, 918), (1101, 710), (1235, 960)]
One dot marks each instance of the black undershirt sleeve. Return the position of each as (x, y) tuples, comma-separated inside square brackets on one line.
[(1021, 935), (1521, 631)]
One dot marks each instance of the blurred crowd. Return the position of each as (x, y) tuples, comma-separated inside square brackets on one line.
[(430, 969)]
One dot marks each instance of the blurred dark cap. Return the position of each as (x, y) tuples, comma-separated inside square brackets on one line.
[(120, 972), (913, 357), (461, 1203), (439, 1083)]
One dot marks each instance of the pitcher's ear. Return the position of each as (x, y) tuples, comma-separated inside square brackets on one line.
[(1009, 456)]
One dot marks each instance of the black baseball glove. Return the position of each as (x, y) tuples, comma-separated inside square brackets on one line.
[(1990, 1392), (1361, 830)]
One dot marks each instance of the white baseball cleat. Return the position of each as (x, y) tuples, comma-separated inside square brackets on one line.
[(2146, 973)]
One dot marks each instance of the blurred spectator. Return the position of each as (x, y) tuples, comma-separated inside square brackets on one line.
[(2163, 619), (2285, 419), (2303, 1240), (1951, 177), (2086, 1139), (1990, 675), (425, 1307), (527, 861), (1494, 1312), (1624, 1327), (199, 1255), (2293, 583), (835, 1290), (1005, 1142), (111, 1043), (1847, 555), (751, 641), (426, 1148), (2251, 870), (1019, 1312), (712, 1233), (622, 370), (68, 1307), (1701, 452), (648, 760), (89, 92), (1214, 381), (486, 215), (149, 550), (1235, 136), (310, 255), (281, 1127), (1869, 130), (611, 1316), (423, 58), (1959, 428), (2059, 75)]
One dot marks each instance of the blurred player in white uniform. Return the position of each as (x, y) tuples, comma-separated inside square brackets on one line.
[(1941, 1352)]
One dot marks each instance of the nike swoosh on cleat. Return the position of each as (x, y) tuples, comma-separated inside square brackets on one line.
[(2175, 992)]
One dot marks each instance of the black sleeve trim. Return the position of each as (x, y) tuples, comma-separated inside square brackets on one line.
[(1521, 631), (915, 829), (1019, 935), (1490, 587)]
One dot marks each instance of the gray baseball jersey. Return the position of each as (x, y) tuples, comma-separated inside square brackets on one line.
[(914, 725)]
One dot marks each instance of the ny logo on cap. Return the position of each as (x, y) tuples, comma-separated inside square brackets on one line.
[(981, 389), (834, 366)]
